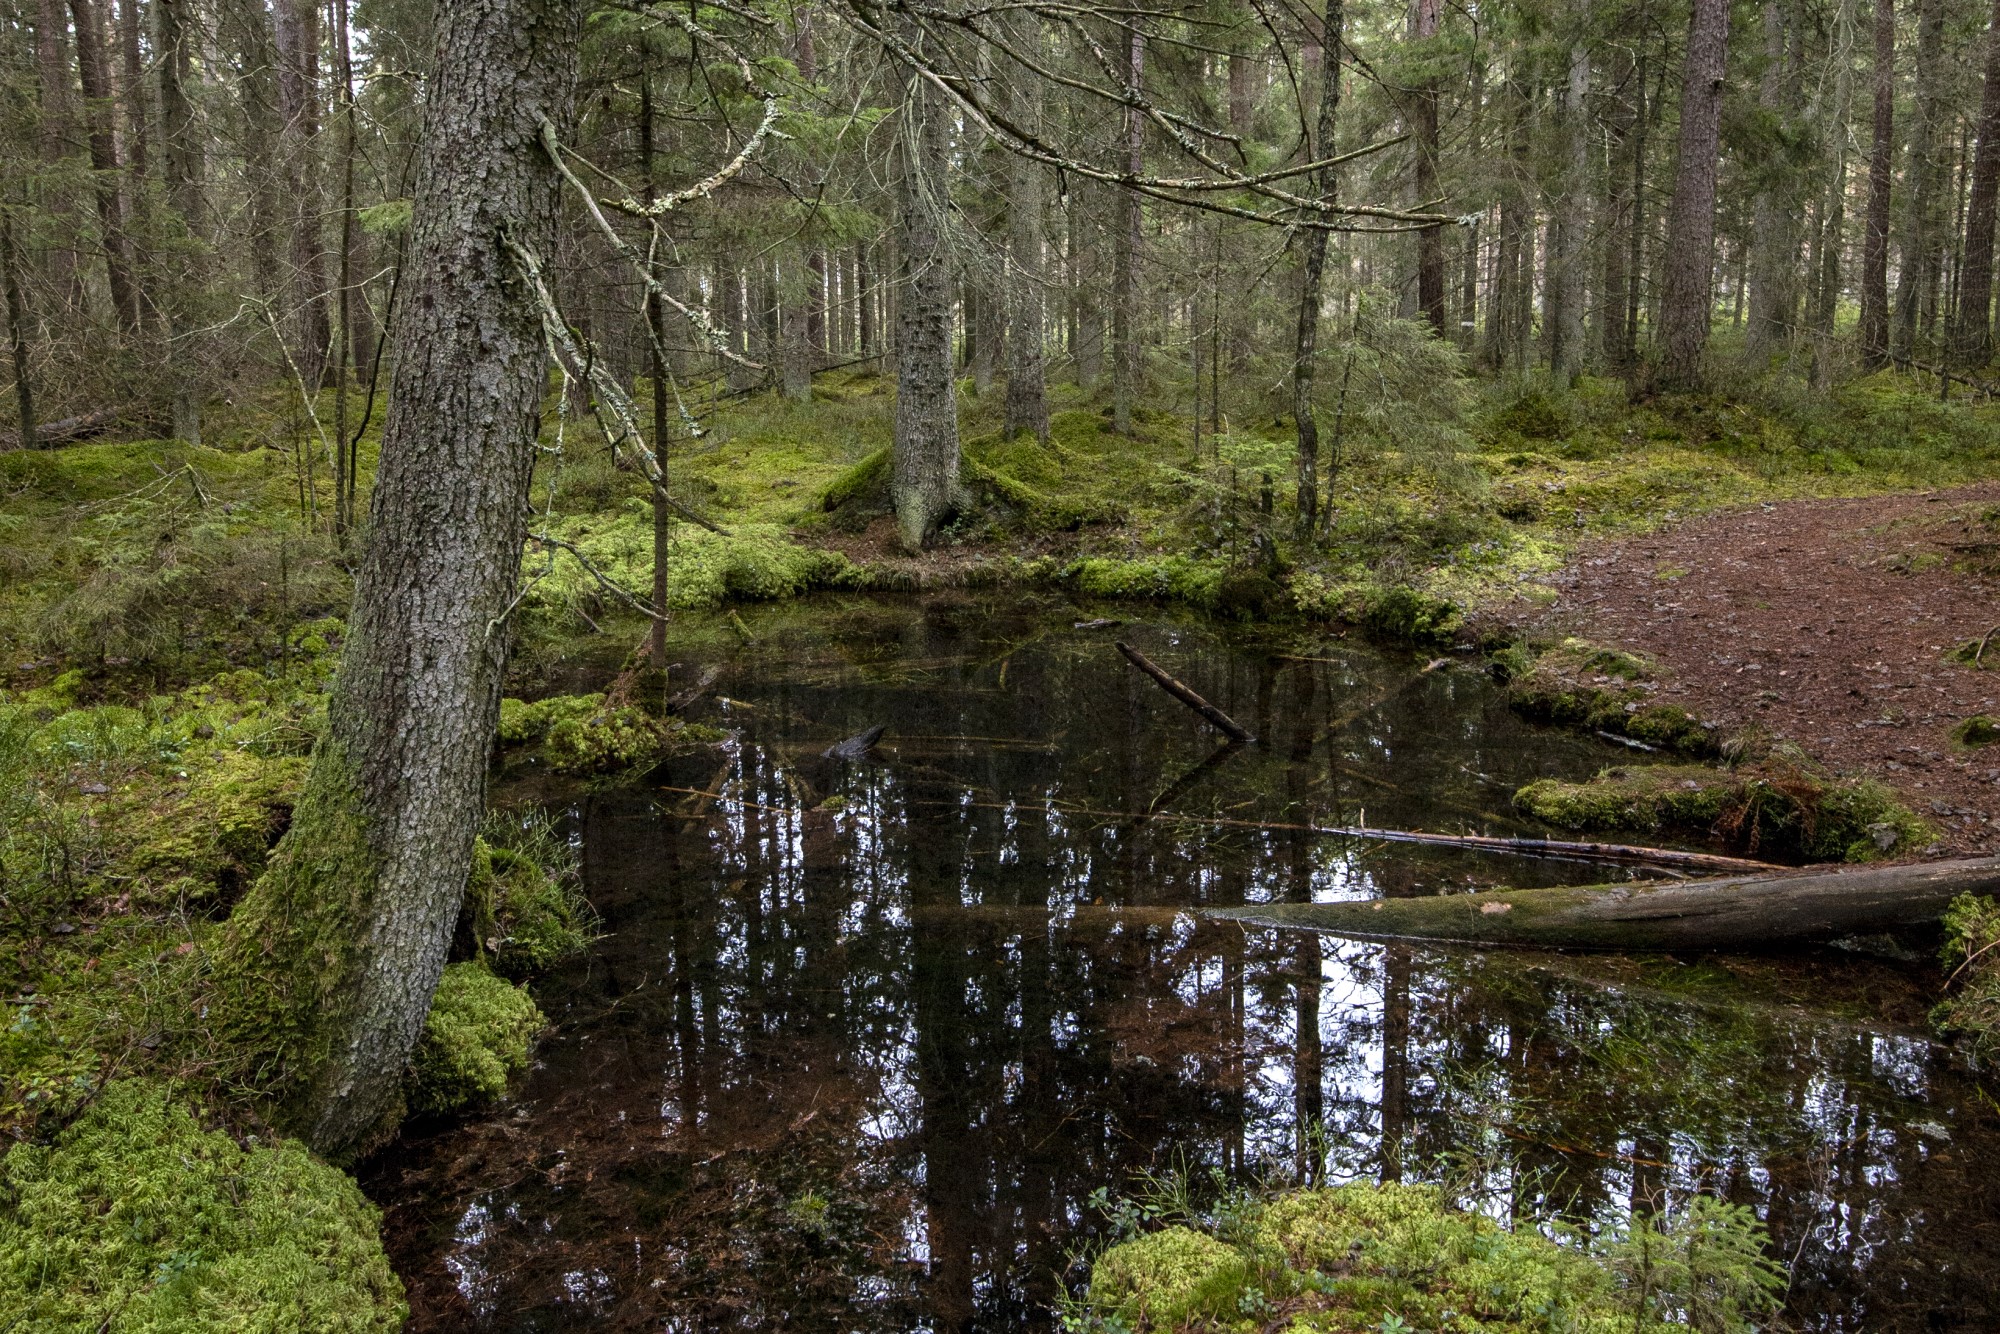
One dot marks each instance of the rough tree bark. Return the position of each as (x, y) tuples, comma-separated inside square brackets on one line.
[(329, 962), (1568, 214), (1777, 208), (93, 73), (1972, 340), (1881, 170), (1305, 352), (17, 331), (1921, 258), (924, 479), (182, 165), (1027, 391), (1687, 294)]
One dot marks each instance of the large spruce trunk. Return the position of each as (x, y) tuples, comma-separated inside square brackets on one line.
[(924, 482), (1027, 407), (1972, 340), (1688, 290), (1874, 328), (330, 961)]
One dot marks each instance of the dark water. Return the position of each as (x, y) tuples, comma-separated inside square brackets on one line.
[(864, 1037)]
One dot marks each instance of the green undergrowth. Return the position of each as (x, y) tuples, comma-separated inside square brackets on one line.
[(1773, 807), (136, 1218), (1971, 954), (1363, 1259), (524, 909)]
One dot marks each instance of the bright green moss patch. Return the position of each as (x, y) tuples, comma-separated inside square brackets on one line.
[(476, 1037), (137, 1219), (1363, 1259), (1773, 809)]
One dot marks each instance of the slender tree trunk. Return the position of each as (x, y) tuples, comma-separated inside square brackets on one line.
[(1305, 356), (656, 325), (1568, 222), (1687, 298), (346, 353), (133, 87), (1778, 207), (1881, 170), (795, 377), (1125, 254), (1832, 221), (1424, 127), (864, 287), (1027, 392), (924, 479), (52, 78), (298, 105), (94, 74), (1619, 126), (17, 329), (182, 166), (1973, 337), (1923, 230), (329, 962)]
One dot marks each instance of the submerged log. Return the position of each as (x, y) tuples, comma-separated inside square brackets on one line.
[(1731, 913), (1221, 721)]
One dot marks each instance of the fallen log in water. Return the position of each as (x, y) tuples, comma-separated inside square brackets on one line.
[(1742, 912), (1221, 721)]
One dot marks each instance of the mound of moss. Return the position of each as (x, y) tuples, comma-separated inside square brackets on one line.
[(1982, 729), (476, 1037), (518, 915), (587, 734), (1773, 809), (138, 1219), (1363, 1259), (1580, 684)]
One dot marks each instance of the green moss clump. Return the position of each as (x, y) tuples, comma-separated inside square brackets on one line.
[(1175, 578), (1405, 614), (1168, 1279), (475, 1038), (1980, 729), (1771, 808), (1972, 953), (1533, 416), (137, 1219), (867, 480)]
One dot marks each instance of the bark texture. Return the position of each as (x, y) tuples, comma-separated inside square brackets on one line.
[(94, 74), (331, 959), (924, 477), (1972, 340), (1027, 391), (1742, 913), (1881, 170), (1687, 293)]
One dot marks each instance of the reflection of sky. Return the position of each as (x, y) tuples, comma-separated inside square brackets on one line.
[(939, 1006)]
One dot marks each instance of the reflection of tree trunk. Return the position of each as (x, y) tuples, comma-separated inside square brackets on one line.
[(1395, 1059), (938, 978)]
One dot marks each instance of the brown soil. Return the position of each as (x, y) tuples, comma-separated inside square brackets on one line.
[(1825, 623)]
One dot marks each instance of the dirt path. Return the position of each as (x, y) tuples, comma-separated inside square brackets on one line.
[(1825, 623)]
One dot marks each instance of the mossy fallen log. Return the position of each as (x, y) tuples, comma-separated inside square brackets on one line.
[(1728, 913)]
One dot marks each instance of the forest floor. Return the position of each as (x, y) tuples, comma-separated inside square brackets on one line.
[(1837, 625)]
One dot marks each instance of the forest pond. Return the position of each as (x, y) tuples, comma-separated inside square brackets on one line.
[(864, 1037)]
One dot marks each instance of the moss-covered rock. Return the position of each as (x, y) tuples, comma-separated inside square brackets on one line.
[(1981, 729), (137, 1219), (1168, 1279), (476, 1037), (1774, 809)]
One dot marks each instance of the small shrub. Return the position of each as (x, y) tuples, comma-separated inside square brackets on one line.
[(476, 1037), (137, 1219)]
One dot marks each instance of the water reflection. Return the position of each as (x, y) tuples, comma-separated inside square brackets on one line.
[(865, 1036)]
